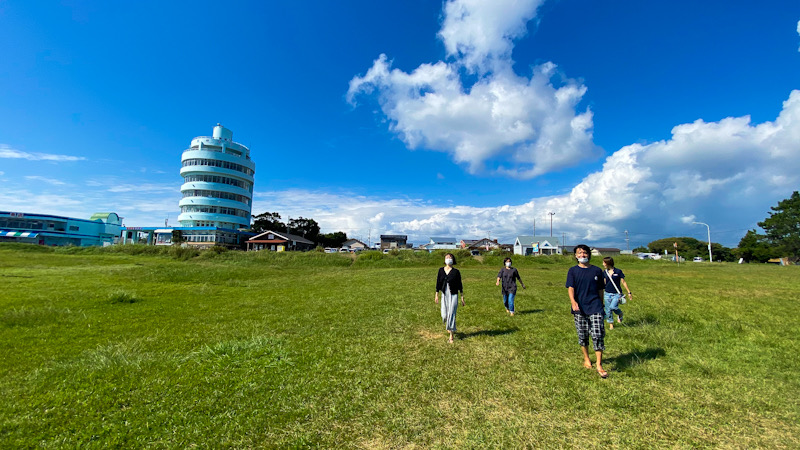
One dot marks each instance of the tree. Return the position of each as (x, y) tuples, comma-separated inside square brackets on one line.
[(783, 226), (268, 221), (756, 247), (308, 228), (641, 249), (332, 239), (177, 237)]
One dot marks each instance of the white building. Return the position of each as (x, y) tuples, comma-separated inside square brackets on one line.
[(537, 245), (218, 182), (442, 243)]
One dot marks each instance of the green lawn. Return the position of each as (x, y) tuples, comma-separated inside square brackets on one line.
[(103, 348)]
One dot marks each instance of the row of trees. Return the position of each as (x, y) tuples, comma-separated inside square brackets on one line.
[(781, 238), (307, 228)]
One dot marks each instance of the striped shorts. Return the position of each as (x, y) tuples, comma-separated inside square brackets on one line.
[(592, 325)]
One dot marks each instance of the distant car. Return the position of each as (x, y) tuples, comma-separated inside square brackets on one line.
[(697, 259), (475, 252), (330, 250), (344, 250), (386, 250)]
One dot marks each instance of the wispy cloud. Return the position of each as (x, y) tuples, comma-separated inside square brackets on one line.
[(500, 123), (52, 181), (798, 32), (10, 153)]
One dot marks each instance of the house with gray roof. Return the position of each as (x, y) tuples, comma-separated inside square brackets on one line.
[(537, 245)]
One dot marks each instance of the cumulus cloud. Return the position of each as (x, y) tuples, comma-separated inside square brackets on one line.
[(798, 31), (10, 153), (501, 123), (726, 173)]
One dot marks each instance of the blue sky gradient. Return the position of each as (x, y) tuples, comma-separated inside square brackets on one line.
[(98, 100)]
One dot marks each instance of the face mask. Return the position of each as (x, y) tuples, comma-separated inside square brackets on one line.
[(448, 261), (508, 263), (583, 260)]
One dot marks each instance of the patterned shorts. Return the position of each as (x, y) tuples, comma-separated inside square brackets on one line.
[(592, 325)]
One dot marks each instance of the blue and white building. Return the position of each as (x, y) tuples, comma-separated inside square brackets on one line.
[(45, 229), (217, 182), (217, 195)]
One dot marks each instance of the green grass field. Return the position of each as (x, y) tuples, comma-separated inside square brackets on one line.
[(107, 348)]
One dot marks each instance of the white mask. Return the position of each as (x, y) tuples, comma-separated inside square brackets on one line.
[(448, 261), (583, 260), (508, 263)]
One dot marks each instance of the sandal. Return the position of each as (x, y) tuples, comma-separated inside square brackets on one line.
[(602, 373)]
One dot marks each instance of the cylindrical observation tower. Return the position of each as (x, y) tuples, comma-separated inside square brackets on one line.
[(217, 182)]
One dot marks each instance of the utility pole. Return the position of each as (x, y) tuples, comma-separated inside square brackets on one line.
[(551, 214), (627, 245), (534, 226)]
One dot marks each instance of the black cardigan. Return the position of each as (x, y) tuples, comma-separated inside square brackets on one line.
[(453, 279)]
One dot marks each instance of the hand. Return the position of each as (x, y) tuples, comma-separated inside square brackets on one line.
[(523, 287), (462, 300), (436, 298), (497, 283), (575, 306)]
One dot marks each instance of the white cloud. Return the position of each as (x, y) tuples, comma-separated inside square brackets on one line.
[(725, 173), (798, 31), (52, 181), (10, 153), (502, 123), (479, 33)]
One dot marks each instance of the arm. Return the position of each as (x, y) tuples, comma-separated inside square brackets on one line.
[(463, 303), (498, 282), (516, 273), (571, 292), (625, 283)]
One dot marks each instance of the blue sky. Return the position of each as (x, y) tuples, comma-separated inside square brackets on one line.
[(479, 118)]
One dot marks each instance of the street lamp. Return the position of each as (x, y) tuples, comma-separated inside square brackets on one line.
[(551, 214), (710, 259)]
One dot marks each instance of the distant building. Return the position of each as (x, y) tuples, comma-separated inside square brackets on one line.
[(466, 243), (442, 243), (217, 185), (393, 241), (537, 245), (279, 242), (354, 244), (484, 244), (605, 251), (217, 196), (44, 229)]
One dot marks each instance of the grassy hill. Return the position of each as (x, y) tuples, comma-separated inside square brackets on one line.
[(168, 348)]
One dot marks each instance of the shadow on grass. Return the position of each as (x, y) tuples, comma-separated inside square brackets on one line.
[(632, 359), (527, 311), (642, 321), (486, 333)]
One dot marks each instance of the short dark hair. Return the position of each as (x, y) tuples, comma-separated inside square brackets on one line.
[(452, 256), (507, 259), (609, 261), (585, 248)]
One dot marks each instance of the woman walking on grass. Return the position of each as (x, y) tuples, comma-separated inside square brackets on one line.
[(508, 277), (615, 280), (448, 281)]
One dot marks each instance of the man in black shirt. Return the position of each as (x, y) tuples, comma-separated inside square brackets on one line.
[(585, 286)]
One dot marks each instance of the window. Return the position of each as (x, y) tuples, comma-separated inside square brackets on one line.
[(73, 228)]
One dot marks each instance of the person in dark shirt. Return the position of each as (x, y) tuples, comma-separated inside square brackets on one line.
[(508, 277), (613, 296), (448, 280), (585, 287)]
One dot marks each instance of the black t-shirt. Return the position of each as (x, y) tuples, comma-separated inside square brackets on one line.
[(616, 278), (508, 279), (588, 283)]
